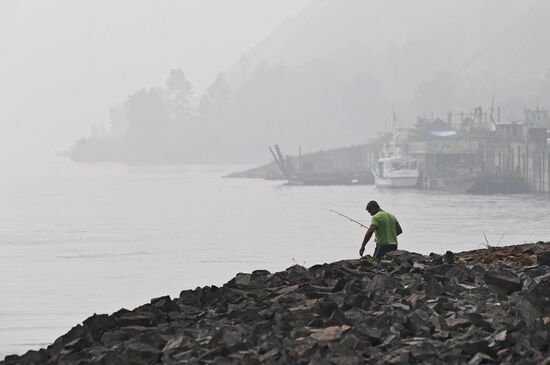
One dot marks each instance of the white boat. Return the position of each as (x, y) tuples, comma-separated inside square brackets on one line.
[(395, 169), (396, 172)]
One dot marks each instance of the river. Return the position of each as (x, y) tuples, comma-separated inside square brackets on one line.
[(78, 239)]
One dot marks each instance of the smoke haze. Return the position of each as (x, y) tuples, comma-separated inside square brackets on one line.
[(64, 63)]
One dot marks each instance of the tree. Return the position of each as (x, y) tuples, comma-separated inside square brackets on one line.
[(180, 93), (215, 100), (119, 121), (146, 112)]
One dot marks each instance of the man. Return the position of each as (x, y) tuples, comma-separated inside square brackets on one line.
[(386, 227)]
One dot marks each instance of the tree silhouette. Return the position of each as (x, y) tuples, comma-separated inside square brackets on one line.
[(179, 94)]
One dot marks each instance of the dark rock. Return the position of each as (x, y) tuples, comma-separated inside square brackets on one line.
[(417, 323), (474, 347), (337, 319), (449, 258), (326, 307), (60, 342), (504, 280), (357, 300), (406, 310), (29, 358), (478, 320), (99, 324), (339, 285), (356, 315), (176, 343), (381, 284), (165, 304), (228, 337), (434, 288), (77, 345), (435, 259), (189, 297), (439, 324), (135, 319), (480, 358), (139, 353), (316, 323), (543, 258), (423, 352), (458, 323), (346, 360), (368, 333)]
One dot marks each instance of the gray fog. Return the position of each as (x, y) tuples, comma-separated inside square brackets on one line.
[(316, 74), (64, 63), (149, 147)]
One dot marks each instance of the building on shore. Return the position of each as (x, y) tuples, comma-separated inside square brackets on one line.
[(521, 148), (468, 152)]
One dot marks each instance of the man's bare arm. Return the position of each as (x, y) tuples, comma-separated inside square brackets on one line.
[(368, 235), (398, 229)]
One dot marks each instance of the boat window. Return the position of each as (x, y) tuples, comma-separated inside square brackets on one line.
[(398, 166)]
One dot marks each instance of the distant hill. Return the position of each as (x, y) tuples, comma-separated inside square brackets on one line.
[(331, 75), (515, 68)]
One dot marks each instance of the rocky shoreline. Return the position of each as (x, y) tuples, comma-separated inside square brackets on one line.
[(478, 307)]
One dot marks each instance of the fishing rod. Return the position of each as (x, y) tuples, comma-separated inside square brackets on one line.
[(345, 216)]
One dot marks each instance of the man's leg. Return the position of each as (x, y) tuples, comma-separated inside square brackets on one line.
[(381, 250)]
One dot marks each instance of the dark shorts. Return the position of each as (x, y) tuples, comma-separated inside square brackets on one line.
[(381, 250)]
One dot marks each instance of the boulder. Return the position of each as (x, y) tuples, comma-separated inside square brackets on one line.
[(504, 280)]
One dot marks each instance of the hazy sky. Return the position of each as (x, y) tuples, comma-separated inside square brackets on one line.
[(64, 62)]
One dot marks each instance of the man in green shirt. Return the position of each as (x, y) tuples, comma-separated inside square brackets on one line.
[(385, 226)]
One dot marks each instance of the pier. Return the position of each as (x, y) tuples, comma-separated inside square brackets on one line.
[(466, 153)]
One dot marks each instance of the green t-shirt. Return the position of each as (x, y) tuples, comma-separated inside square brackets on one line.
[(385, 228)]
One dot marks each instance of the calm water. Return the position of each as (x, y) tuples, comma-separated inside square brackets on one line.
[(79, 239)]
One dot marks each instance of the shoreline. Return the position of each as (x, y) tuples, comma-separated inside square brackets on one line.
[(482, 306)]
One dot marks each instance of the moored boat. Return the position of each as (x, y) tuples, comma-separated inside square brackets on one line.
[(396, 172)]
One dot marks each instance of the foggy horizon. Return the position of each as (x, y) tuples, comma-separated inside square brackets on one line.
[(83, 57), (61, 85)]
